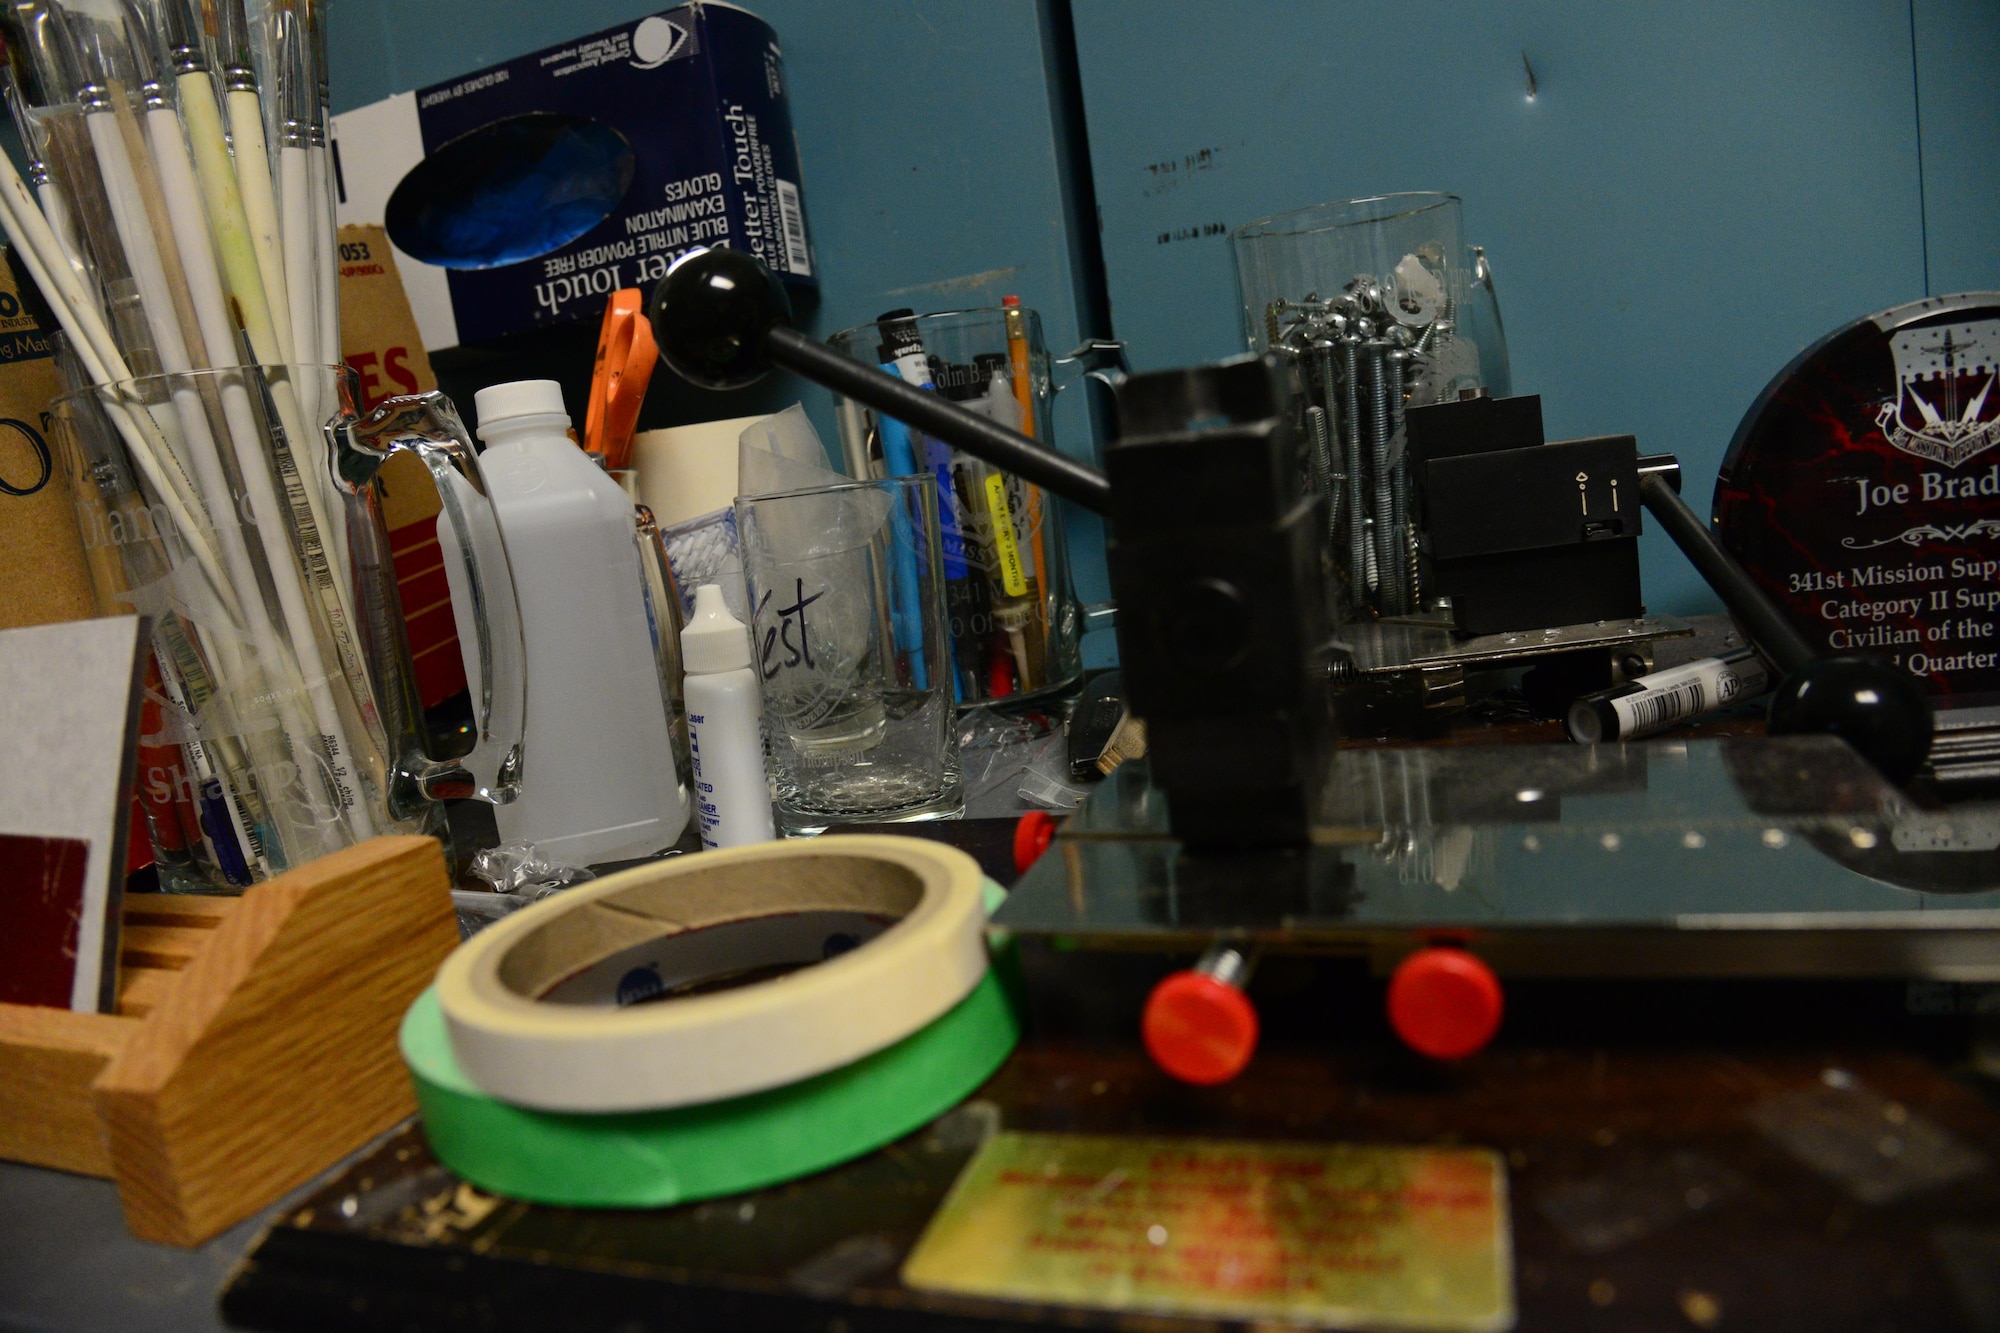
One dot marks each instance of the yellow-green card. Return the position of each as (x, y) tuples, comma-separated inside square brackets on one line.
[(1336, 1235)]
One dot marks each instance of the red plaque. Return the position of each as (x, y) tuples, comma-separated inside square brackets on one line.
[(45, 901), (1863, 491)]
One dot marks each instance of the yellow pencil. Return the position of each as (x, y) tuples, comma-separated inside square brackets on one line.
[(1024, 394)]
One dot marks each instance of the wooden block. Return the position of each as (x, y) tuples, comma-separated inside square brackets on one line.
[(48, 1058), (273, 1051), (176, 909), (142, 988), (165, 947)]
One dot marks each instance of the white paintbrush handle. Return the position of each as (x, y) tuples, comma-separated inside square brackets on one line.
[(63, 228), (301, 287), (260, 209), (222, 200), (326, 261)]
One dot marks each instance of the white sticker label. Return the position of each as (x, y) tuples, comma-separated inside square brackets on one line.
[(1683, 692), (798, 255)]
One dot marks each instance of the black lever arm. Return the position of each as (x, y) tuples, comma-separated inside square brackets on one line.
[(722, 320), (937, 416), (1766, 625), (1876, 706)]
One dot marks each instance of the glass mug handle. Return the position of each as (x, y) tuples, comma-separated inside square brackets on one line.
[(489, 619), (1103, 360), (1100, 359)]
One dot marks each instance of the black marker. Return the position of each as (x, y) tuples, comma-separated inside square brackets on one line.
[(1651, 704)]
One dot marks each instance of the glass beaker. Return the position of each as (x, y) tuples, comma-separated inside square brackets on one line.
[(848, 638), (281, 710), (1380, 307), (1014, 621)]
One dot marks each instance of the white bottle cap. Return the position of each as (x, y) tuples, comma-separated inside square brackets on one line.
[(714, 640), (498, 404)]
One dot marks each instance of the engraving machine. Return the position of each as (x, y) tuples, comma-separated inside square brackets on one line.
[(1247, 828)]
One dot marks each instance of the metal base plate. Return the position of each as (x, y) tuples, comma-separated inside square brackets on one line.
[(1386, 647), (1741, 856)]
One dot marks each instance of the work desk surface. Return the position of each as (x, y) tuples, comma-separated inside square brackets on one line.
[(1745, 1154), (1679, 1155)]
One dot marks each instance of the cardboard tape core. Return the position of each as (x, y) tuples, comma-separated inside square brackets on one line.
[(714, 976), (626, 923)]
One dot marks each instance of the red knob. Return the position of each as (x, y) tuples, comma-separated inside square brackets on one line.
[(1444, 1003), (1199, 1029), (1032, 836)]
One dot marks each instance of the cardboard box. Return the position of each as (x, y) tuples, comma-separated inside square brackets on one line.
[(697, 95), (378, 340), (44, 569)]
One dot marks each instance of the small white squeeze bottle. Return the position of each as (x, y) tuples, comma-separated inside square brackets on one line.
[(597, 771), (732, 798)]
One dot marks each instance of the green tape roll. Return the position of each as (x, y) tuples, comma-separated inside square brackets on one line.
[(648, 1159)]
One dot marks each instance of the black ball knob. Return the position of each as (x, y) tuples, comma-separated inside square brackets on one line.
[(710, 314), (1873, 705)]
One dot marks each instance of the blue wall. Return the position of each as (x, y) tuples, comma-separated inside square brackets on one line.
[(1696, 191)]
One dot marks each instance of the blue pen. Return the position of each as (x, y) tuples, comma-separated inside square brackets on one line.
[(902, 351), (215, 822), (905, 617)]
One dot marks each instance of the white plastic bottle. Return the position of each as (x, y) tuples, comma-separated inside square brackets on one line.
[(597, 776), (732, 800)]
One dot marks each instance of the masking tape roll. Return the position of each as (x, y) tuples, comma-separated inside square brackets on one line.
[(540, 1007), (649, 1159)]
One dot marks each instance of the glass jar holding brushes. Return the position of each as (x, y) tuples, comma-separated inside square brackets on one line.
[(177, 217)]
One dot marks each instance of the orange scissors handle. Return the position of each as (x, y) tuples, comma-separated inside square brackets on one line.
[(626, 355)]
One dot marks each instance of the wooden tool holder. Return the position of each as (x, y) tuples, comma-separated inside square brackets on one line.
[(255, 1043)]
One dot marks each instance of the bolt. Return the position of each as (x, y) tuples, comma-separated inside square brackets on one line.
[(1414, 589), (1396, 362), (1326, 352), (1388, 563), (1322, 458), (1350, 444)]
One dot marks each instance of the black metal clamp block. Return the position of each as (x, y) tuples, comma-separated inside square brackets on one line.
[(1224, 612), (1524, 534)]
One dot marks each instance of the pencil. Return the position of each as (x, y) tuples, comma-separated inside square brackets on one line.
[(1021, 363)]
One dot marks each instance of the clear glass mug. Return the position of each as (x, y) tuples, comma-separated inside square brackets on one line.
[(1014, 620), (280, 719), (1379, 306), (849, 641)]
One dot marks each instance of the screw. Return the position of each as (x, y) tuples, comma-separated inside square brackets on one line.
[(1322, 460), (1415, 586), (1396, 366), (1325, 355), (1376, 430), (1350, 444)]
